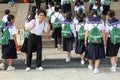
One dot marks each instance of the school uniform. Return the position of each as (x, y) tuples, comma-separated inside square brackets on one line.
[(57, 31), (112, 49), (68, 42), (35, 42), (78, 7), (9, 51), (106, 7), (92, 2), (80, 47), (5, 18), (25, 43), (66, 7), (95, 51)]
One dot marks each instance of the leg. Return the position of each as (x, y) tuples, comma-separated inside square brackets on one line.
[(113, 61), (97, 62), (10, 62), (55, 35), (90, 66)]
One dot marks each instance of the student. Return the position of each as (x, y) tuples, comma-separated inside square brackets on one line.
[(9, 51), (80, 47), (106, 6), (30, 20), (66, 5), (51, 12), (68, 26), (56, 21), (7, 12), (79, 6), (95, 40), (92, 2), (112, 49), (35, 40)]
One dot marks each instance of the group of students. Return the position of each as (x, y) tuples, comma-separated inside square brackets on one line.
[(91, 35)]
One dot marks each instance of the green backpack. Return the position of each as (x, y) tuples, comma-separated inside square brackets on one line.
[(57, 22), (99, 12), (81, 33), (2, 24), (67, 1), (94, 35), (26, 34), (66, 31), (82, 10), (5, 36), (93, 1), (107, 2), (115, 35)]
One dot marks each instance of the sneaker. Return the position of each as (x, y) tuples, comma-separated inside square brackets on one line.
[(90, 67), (52, 39), (28, 69), (40, 68), (43, 58), (96, 70), (2, 66), (10, 68), (59, 46), (68, 59), (82, 62), (113, 69)]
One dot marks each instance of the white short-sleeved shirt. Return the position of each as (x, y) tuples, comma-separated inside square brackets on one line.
[(72, 27), (56, 14), (12, 31), (50, 10), (95, 7), (79, 7), (75, 20), (39, 27), (62, 1), (109, 27), (89, 26), (78, 25), (5, 18), (30, 23)]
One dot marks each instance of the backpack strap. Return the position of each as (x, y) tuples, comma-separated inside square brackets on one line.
[(57, 16), (96, 25)]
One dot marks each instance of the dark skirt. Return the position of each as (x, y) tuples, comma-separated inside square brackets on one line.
[(67, 44), (95, 51), (9, 51), (25, 46), (106, 8), (112, 49), (66, 8), (80, 47)]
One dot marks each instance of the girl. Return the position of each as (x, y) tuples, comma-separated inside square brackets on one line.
[(68, 41), (80, 48), (95, 47), (35, 40), (79, 6), (9, 51), (28, 23), (112, 49), (66, 5), (106, 6), (92, 2)]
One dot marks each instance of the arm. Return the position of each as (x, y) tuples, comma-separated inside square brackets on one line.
[(47, 29), (86, 38), (15, 40), (104, 37), (30, 27)]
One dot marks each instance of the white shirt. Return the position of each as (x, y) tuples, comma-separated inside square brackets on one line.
[(79, 7), (56, 14), (50, 10), (95, 7), (78, 26), (72, 28), (39, 28), (5, 18), (89, 26), (29, 24), (12, 31)]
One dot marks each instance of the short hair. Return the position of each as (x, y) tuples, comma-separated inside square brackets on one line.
[(93, 12), (7, 11), (111, 13), (41, 11), (52, 4), (56, 9), (68, 15), (10, 17)]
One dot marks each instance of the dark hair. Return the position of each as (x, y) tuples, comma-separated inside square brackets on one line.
[(93, 12), (111, 13), (68, 15), (81, 17), (33, 8), (41, 11), (52, 4), (32, 16), (10, 17), (56, 9), (7, 11)]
